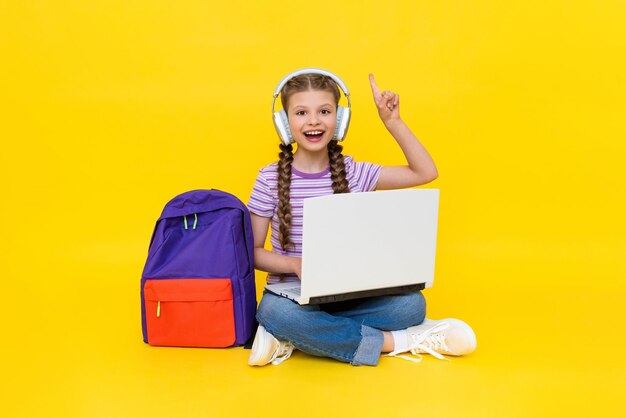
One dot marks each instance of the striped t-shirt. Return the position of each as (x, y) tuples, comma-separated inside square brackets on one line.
[(361, 176)]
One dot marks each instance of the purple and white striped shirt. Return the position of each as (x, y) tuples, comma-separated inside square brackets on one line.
[(361, 176)]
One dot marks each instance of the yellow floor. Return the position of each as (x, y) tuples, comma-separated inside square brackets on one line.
[(76, 351)]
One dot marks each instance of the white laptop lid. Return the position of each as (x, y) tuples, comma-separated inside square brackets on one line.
[(363, 241)]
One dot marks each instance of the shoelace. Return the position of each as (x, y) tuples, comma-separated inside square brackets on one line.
[(283, 353), (429, 341)]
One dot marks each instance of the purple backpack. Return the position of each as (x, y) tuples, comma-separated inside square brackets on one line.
[(197, 287)]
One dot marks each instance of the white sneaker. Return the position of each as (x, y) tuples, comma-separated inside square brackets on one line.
[(436, 337), (267, 349)]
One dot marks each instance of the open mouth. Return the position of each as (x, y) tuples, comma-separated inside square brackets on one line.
[(314, 136)]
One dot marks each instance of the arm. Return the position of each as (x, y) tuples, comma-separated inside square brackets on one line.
[(421, 168), (267, 260)]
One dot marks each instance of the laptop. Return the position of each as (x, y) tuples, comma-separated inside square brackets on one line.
[(357, 245)]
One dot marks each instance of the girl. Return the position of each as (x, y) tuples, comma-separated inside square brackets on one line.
[(356, 331)]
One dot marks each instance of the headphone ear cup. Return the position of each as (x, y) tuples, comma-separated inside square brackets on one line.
[(282, 127), (343, 120)]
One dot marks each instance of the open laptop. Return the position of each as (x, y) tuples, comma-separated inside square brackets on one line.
[(358, 245)]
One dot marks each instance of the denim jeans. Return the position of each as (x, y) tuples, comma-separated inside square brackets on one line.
[(349, 331)]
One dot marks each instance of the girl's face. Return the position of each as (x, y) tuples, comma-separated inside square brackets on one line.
[(312, 119)]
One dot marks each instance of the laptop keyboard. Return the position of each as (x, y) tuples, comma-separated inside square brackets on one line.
[(294, 290)]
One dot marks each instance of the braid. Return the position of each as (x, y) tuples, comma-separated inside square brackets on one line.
[(284, 184), (337, 168)]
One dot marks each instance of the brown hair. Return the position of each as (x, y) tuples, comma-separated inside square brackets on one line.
[(298, 84)]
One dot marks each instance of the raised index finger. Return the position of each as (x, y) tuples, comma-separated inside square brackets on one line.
[(375, 89)]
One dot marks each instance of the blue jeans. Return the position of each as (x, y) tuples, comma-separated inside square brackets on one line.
[(348, 331)]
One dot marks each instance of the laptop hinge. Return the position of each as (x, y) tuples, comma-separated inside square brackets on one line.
[(398, 290)]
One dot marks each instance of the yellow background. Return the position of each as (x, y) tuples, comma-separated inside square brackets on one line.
[(110, 108)]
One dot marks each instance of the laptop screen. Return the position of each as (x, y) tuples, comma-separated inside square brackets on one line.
[(361, 241)]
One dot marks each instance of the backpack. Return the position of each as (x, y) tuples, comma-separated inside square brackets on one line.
[(197, 286)]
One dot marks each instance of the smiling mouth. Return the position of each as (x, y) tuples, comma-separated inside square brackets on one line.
[(314, 136)]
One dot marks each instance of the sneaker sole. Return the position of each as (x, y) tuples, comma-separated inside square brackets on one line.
[(258, 346)]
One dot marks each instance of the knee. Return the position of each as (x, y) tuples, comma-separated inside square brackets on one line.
[(269, 307), (412, 308), (419, 305), (275, 311)]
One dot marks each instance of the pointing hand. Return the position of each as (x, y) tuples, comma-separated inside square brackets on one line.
[(387, 102)]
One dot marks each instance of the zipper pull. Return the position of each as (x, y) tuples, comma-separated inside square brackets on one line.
[(158, 308)]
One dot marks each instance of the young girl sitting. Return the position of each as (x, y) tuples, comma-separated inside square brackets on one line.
[(355, 331)]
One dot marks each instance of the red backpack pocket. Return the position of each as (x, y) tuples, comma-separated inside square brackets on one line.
[(189, 312)]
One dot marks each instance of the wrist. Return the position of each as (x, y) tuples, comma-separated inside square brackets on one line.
[(294, 264), (393, 123)]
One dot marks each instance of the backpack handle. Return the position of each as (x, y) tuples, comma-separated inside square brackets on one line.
[(195, 222)]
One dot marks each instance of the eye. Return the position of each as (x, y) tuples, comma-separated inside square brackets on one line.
[(300, 113), (326, 112)]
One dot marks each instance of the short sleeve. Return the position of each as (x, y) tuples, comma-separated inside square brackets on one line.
[(365, 174), (261, 201)]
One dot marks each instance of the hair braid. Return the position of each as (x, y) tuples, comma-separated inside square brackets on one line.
[(284, 185), (337, 168)]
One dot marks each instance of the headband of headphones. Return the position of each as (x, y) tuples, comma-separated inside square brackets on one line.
[(294, 74)]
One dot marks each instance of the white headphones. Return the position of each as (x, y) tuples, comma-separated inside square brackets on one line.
[(280, 118)]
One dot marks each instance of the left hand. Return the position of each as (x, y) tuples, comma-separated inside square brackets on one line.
[(387, 102)]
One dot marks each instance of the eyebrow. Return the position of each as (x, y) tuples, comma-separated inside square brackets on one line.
[(304, 107)]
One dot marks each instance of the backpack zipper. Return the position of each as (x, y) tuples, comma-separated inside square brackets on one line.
[(158, 308)]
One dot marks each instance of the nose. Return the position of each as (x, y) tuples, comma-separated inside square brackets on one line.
[(314, 119)]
